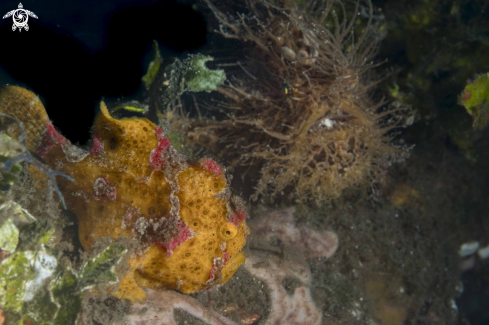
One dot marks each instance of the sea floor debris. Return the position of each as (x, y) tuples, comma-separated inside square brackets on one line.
[(160, 305), (295, 308)]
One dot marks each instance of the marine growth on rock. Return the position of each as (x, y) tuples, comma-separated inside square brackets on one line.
[(302, 108)]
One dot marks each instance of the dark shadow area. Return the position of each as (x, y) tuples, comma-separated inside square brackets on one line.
[(72, 79), (474, 302)]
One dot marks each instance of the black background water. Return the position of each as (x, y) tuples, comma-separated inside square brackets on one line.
[(76, 52)]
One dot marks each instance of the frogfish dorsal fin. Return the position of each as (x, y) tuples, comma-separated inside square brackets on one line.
[(26, 107)]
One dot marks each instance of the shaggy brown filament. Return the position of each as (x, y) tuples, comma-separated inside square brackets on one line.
[(305, 113)]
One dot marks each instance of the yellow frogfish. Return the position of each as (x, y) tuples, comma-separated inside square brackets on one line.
[(133, 184)]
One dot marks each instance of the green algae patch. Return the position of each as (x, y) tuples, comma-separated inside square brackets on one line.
[(9, 148), (9, 236), (66, 296), (35, 234), (25, 275), (36, 287), (12, 219), (35, 290), (22, 278), (40, 309), (153, 68), (101, 268), (12, 281), (191, 75), (475, 99), (199, 77)]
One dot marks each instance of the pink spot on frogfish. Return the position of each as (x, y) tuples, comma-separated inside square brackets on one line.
[(184, 233), (212, 166), (102, 187), (50, 140), (97, 145), (238, 217), (155, 157)]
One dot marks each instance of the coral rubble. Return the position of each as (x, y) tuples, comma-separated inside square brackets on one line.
[(187, 228), (281, 224), (302, 110), (159, 307), (296, 307)]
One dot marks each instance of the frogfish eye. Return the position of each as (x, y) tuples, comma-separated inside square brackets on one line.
[(228, 231)]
